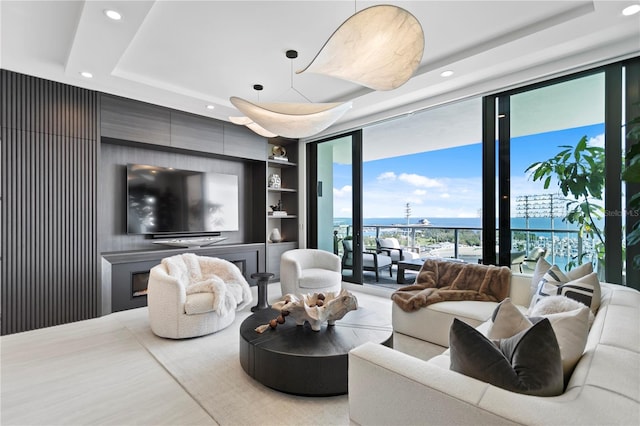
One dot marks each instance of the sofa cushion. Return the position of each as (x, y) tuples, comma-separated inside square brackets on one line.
[(199, 303), (433, 322), (528, 362), (554, 282)]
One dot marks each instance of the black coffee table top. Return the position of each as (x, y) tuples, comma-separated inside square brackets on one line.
[(296, 359)]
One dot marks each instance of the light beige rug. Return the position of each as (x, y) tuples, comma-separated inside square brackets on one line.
[(114, 370)]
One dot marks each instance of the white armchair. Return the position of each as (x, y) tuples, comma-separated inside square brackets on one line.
[(191, 295), (309, 271)]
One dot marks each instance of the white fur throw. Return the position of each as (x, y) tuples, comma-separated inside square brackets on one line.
[(557, 304), (553, 305), (201, 274), (215, 286)]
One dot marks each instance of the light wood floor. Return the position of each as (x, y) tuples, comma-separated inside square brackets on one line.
[(112, 370)]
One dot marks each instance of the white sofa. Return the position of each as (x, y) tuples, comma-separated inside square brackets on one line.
[(388, 386)]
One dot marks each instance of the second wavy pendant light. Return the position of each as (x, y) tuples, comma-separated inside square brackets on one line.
[(291, 120)]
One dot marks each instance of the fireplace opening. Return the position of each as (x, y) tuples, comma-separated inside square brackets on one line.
[(139, 283)]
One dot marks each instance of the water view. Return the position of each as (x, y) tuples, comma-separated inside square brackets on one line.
[(462, 237)]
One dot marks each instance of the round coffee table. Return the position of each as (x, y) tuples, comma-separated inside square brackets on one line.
[(300, 361)]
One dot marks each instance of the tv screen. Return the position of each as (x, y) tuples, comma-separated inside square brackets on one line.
[(171, 201)]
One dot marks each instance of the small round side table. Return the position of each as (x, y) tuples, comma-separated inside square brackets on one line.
[(263, 281)]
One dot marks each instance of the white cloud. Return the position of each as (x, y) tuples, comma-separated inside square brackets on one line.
[(419, 181), (345, 191), (597, 141), (387, 199), (387, 176)]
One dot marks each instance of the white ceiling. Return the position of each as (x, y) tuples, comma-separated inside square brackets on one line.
[(187, 54)]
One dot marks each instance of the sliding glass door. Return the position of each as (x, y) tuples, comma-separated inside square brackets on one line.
[(335, 221), (558, 164)]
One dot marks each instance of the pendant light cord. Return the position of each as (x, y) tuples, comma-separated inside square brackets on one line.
[(294, 89)]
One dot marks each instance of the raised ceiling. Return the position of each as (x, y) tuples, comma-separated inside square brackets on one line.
[(189, 54)]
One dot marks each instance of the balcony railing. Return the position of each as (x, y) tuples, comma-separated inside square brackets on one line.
[(561, 245)]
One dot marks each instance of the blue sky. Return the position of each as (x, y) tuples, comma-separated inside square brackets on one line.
[(448, 183)]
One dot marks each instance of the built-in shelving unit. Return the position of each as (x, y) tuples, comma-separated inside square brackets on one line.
[(283, 191)]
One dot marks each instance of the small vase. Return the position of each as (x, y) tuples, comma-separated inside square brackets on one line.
[(275, 236)]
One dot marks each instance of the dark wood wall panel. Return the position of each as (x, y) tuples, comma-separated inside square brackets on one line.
[(113, 193), (49, 158)]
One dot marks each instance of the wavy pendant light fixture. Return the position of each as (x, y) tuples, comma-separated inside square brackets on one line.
[(290, 120), (379, 47)]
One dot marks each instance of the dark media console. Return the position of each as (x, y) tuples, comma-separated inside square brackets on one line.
[(125, 274)]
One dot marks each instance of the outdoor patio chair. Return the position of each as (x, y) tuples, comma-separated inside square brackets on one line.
[(392, 248), (528, 265), (371, 261)]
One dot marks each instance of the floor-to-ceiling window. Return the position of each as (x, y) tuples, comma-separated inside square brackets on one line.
[(561, 143), (459, 180), (557, 172), (422, 181)]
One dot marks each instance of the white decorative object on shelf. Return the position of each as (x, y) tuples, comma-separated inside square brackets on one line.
[(275, 236), (274, 181), (316, 308), (279, 213)]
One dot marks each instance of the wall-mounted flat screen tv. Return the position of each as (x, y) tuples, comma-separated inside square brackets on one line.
[(164, 200)]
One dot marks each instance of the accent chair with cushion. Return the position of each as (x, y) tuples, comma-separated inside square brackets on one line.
[(309, 271), (190, 295), (371, 261)]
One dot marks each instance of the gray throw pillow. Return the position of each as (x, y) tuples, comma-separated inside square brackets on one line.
[(528, 362)]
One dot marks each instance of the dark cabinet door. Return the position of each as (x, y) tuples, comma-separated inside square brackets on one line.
[(131, 120), (196, 133), (243, 143)]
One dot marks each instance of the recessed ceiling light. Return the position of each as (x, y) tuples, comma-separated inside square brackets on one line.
[(210, 106), (631, 10), (447, 73), (112, 14), (86, 74)]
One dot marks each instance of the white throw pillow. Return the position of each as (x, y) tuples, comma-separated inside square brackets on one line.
[(554, 282), (506, 321), (542, 266), (570, 321), (580, 271), (571, 327)]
